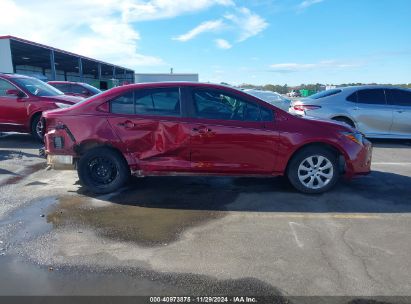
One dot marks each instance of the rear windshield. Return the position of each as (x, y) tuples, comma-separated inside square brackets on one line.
[(94, 90), (325, 93)]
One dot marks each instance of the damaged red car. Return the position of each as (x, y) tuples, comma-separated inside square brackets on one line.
[(22, 101), (198, 129)]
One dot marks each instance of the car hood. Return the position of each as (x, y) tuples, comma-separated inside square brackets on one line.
[(328, 121), (64, 99)]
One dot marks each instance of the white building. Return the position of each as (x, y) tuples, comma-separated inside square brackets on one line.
[(153, 77), (48, 63)]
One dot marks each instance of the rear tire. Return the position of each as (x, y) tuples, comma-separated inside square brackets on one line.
[(345, 120), (313, 170), (103, 170), (37, 127)]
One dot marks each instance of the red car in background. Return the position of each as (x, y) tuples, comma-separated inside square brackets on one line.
[(22, 101), (75, 88), (193, 128)]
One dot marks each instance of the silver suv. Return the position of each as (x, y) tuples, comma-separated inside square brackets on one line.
[(376, 111)]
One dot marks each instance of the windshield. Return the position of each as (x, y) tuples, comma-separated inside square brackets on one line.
[(272, 98), (325, 94), (37, 87), (91, 88)]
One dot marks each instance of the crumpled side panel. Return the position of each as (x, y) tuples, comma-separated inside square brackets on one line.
[(154, 142), (165, 139)]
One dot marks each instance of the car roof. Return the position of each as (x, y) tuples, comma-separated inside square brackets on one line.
[(13, 75), (64, 82), (371, 86), (148, 85)]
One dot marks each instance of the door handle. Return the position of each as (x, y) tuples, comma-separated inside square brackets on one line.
[(202, 130), (400, 111), (356, 108), (127, 124)]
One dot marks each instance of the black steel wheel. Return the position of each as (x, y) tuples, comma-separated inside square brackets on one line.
[(103, 170)]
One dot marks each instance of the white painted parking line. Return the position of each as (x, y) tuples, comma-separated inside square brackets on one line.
[(391, 164), (293, 215), (297, 240)]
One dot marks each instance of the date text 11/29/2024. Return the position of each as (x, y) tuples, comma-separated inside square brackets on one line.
[(204, 299)]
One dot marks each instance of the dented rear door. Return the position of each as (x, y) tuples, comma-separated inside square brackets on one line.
[(149, 123)]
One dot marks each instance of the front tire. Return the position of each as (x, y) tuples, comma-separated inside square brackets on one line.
[(313, 170), (37, 128), (103, 170)]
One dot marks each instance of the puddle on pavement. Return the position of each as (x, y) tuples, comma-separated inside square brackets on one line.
[(154, 210), (142, 225), (20, 278), (29, 221)]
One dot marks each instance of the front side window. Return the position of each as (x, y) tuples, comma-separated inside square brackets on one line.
[(158, 102), (399, 97), (37, 87), (4, 86), (220, 106), (266, 114), (371, 96)]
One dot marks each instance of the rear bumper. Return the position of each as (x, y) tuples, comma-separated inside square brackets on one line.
[(61, 162)]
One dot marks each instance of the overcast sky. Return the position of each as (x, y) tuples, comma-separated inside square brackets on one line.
[(259, 41)]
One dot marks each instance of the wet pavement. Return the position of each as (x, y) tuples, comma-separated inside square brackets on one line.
[(203, 235)]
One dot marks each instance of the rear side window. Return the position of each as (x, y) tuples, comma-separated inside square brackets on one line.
[(163, 102), (123, 104), (325, 93), (398, 97), (65, 88), (352, 97), (371, 96), (159, 102), (78, 89)]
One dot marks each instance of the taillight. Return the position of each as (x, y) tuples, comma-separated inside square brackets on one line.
[(305, 107), (58, 142)]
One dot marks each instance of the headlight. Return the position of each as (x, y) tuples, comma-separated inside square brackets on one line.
[(356, 137), (62, 105)]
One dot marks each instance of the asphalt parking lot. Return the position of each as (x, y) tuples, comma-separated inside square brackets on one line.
[(203, 235)]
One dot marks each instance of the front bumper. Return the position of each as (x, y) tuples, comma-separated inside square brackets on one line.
[(361, 163)]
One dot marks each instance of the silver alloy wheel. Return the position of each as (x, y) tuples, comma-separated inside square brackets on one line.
[(315, 172), (39, 128)]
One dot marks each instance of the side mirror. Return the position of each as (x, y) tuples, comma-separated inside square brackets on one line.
[(85, 92), (14, 92)]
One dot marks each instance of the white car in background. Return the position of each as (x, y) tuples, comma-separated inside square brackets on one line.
[(270, 97), (376, 111)]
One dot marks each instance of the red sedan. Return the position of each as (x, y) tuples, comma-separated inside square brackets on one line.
[(198, 129), (22, 101)]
